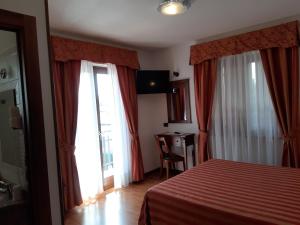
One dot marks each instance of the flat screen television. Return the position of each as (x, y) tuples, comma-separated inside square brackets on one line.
[(152, 81)]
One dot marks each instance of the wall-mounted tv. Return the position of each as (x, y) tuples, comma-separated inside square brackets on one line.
[(152, 81)]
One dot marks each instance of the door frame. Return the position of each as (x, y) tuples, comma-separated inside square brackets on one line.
[(35, 141)]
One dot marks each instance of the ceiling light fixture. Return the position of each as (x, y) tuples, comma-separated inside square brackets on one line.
[(173, 7)]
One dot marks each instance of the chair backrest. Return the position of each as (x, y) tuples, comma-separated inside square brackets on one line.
[(162, 145)]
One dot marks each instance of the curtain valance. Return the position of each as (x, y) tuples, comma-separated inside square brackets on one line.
[(67, 49), (284, 35)]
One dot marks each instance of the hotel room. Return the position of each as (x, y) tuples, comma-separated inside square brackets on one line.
[(157, 112)]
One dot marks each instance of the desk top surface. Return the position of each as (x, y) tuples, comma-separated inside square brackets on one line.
[(175, 134)]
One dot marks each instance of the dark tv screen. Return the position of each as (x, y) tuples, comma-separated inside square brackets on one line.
[(152, 81)]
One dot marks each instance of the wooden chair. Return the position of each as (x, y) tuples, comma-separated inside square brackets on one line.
[(166, 156)]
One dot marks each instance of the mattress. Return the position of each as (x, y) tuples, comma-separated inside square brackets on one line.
[(221, 192)]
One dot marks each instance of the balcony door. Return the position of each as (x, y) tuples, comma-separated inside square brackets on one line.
[(104, 102), (103, 153)]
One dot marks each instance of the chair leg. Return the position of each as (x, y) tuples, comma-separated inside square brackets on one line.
[(167, 166), (183, 165), (161, 167), (171, 168)]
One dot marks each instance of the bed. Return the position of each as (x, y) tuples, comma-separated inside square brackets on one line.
[(220, 192)]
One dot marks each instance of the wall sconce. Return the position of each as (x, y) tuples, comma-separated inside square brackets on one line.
[(176, 74)]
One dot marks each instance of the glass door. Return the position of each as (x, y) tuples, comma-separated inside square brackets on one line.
[(104, 102)]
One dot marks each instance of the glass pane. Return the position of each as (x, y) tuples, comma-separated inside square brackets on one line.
[(106, 101)]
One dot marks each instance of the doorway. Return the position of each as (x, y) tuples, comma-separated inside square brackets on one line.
[(104, 103)]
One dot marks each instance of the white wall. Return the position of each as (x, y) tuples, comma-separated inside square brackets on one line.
[(174, 59), (37, 8), (152, 113), (177, 59)]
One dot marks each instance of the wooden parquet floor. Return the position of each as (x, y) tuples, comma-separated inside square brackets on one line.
[(115, 207)]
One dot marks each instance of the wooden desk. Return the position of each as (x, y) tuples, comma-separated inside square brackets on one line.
[(186, 139)]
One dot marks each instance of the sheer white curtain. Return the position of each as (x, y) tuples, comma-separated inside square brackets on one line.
[(87, 137), (121, 137), (244, 125)]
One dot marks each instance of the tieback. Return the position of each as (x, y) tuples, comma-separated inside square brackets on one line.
[(203, 133), (67, 147), (287, 138), (134, 136)]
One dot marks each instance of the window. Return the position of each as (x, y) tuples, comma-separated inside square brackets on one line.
[(244, 124)]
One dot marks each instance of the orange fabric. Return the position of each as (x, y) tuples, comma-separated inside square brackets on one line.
[(220, 192), (285, 35), (205, 76), (281, 67), (126, 78), (67, 49), (66, 84)]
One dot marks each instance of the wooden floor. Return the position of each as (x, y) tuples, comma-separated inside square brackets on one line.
[(116, 207)]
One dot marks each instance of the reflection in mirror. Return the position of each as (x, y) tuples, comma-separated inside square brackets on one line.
[(13, 182), (179, 102)]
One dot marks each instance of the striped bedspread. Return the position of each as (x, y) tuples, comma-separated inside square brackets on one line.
[(220, 192)]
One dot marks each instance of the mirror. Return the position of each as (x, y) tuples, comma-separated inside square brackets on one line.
[(24, 184), (179, 109), (13, 180)]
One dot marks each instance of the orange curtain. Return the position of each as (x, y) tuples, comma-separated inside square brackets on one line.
[(66, 85), (205, 76), (65, 49), (126, 78), (281, 67), (283, 36)]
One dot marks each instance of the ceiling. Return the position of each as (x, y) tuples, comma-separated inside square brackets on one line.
[(137, 23)]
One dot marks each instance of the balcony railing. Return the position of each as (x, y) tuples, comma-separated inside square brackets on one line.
[(107, 151)]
